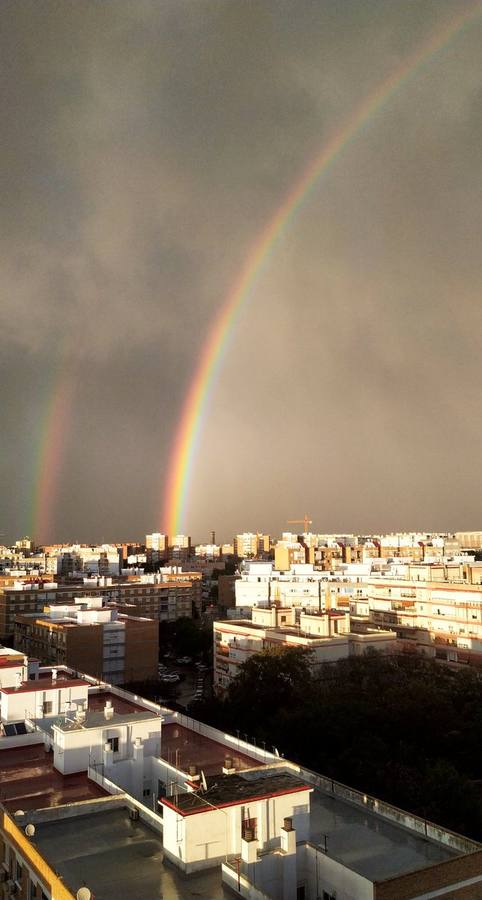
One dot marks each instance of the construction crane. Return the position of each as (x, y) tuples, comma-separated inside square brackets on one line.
[(305, 521)]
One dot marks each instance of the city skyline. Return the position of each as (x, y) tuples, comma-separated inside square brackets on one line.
[(137, 188)]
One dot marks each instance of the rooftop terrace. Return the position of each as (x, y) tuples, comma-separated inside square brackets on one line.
[(28, 780)]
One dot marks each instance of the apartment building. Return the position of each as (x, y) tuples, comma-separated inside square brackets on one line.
[(260, 584), (165, 598), (92, 638), (107, 794), (325, 633), (439, 617), (249, 545), (105, 559)]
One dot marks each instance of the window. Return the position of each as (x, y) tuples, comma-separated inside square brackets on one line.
[(327, 896), (48, 707), (113, 744), (146, 792)]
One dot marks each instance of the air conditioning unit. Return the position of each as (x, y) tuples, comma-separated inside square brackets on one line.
[(134, 815)]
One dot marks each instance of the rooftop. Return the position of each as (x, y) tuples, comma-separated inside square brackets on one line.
[(97, 719), (116, 857), (229, 790), (119, 704), (183, 748), (368, 843), (28, 780), (44, 684)]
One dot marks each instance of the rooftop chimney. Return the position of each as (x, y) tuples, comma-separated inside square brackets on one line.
[(108, 710), (228, 766)]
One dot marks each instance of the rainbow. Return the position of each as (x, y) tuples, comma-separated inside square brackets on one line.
[(55, 426), (183, 451)]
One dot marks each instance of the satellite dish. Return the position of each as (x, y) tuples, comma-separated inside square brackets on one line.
[(30, 830), (83, 894)]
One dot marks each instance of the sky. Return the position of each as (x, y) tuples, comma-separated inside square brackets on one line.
[(143, 148)]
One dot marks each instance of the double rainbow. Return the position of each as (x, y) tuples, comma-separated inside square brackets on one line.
[(183, 452)]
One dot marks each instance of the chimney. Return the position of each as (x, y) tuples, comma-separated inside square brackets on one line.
[(80, 714), (54, 674), (18, 680), (288, 848), (194, 775), (228, 766), (108, 710)]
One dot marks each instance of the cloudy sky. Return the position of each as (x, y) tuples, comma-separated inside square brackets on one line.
[(144, 145)]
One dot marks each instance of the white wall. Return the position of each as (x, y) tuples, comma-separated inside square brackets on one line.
[(30, 704), (75, 750), (204, 839)]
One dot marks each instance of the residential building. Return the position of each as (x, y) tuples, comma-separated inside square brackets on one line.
[(164, 597), (437, 617), (250, 546), (325, 633), (93, 638)]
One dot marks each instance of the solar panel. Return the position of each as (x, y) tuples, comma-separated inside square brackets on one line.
[(9, 730), (21, 728)]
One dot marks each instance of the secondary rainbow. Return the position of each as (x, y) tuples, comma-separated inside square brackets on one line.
[(53, 437), (188, 432)]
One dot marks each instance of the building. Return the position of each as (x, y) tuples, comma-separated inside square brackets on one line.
[(250, 546), (92, 638), (100, 787), (163, 597), (437, 616), (325, 633)]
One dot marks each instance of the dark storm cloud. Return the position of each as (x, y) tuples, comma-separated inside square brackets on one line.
[(143, 147)]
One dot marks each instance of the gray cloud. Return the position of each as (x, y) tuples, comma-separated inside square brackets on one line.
[(143, 147)]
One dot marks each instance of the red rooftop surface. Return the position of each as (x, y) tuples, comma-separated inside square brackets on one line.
[(120, 705), (10, 662), (44, 685), (183, 747), (28, 780)]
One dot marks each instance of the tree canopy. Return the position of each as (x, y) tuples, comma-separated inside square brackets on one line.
[(404, 729)]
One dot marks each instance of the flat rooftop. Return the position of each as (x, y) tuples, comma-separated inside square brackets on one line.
[(119, 704), (46, 684), (368, 843), (116, 857), (227, 790), (183, 748), (96, 719), (28, 780)]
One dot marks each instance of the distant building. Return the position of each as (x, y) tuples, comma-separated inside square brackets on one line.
[(250, 545)]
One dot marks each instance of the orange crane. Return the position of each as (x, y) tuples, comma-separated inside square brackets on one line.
[(306, 521)]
